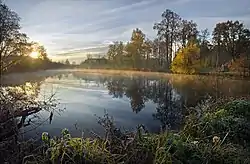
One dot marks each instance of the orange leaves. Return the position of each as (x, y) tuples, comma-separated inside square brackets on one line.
[(239, 64)]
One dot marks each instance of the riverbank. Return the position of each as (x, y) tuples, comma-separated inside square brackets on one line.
[(128, 73), (154, 73), (216, 133)]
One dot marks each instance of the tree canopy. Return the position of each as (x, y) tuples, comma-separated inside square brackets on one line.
[(179, 41)]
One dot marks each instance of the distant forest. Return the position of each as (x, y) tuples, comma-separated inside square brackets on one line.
[(180, 47)]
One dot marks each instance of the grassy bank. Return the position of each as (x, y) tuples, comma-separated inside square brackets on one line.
[(120, 72), (215, 132), (154, 73)]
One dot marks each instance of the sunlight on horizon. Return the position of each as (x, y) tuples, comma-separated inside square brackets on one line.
[(34, 54)]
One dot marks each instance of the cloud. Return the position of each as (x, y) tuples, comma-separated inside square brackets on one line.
[(129, 7), (89, 50), (73, 28), (210, 22)]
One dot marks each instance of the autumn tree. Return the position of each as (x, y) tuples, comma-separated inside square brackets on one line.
[(187, 59), (239, 64)]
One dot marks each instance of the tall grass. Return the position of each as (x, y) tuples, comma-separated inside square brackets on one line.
[(216, 132)]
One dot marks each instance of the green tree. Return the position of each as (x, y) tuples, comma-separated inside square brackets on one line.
[(89, 56), (231, 37), (43, 53), (119, 53), (115, 53), (111, 52), (167, 32), (188, 31), (217, 40), (157, 52), (67, 62), (205, 48), (135, 48), (148, 46)]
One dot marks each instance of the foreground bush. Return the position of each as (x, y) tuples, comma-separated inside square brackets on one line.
[(162, 148), (218, 134), (214, 132), (229, 121)]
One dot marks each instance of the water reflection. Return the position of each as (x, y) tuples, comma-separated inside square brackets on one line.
[(169, 95), (20, 107), (51, 117), (189, 89), (13, 112), (135, 91), (158, 102), (169, 110)]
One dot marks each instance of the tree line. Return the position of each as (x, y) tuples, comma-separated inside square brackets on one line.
[(180, 47)]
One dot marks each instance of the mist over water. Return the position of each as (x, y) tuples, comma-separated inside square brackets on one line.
[(157, 102)]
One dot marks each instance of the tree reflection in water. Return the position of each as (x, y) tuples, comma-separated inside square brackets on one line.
[(169, 93), (116, 88), (19, 108), (169, 110), (135, 91), (140, 90)]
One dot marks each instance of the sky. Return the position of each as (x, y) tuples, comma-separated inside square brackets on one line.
[(71, 29)]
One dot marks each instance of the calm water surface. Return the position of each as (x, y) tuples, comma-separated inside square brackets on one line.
[(154, 101)]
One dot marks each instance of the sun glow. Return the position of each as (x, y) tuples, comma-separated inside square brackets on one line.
[(34, 54)]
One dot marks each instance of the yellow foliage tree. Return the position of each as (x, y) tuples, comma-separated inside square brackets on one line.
[(240, 64), (187, 60)]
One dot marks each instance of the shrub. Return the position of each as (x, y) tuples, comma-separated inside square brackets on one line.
[(206, 138), (147, 148), (230, 121)]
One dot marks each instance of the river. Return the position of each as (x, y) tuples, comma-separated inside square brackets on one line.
[(156, 101)]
